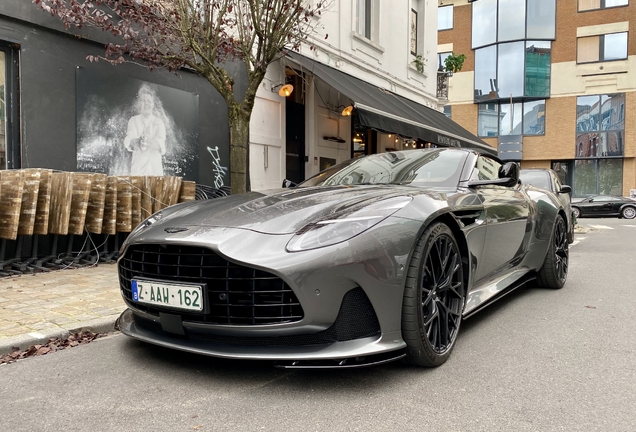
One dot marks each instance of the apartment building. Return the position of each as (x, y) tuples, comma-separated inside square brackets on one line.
[(549, 83), (365, 82)]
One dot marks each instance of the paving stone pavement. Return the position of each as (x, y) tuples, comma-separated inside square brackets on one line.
[(37, 307)]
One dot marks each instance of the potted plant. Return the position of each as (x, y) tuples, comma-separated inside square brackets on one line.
[(454, 63)]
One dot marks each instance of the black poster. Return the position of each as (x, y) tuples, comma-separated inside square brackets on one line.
[(130, 127)]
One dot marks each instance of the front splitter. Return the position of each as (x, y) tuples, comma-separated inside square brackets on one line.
[(388, 347)]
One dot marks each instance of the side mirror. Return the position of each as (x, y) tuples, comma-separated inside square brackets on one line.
[(289, 183), (510, 170), (565, 189)]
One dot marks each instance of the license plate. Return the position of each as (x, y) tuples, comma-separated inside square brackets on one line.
[(186, 297)]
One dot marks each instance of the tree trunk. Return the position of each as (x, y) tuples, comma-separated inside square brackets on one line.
[(239, 122)]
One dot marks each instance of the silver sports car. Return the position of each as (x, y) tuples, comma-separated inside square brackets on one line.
[(375, 259)]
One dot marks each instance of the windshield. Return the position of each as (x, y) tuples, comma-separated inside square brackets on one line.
[(426, 167), (536, 178)]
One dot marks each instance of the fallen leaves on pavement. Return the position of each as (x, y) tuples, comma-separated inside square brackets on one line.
[(53, 345)]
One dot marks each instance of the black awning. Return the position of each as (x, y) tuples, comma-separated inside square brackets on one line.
[(381, 109)]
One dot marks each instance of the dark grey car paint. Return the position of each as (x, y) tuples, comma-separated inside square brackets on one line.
[(503, 231)]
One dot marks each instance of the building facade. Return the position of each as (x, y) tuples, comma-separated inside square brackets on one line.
[(373, 56), (365, 82), (550, 83)]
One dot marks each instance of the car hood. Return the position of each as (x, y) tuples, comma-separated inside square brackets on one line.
[(279, 211)]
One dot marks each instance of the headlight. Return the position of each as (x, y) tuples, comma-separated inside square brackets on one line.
[(345, 225), (149, 221)]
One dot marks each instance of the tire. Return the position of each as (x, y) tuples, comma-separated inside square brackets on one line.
[(434, 298), (576, 211), (554, 271), (628, 212)]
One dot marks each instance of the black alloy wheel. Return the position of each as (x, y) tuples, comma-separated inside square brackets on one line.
[(554, 272), (434, 297)]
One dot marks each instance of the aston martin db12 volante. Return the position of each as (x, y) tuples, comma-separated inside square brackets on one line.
[(371, 260)]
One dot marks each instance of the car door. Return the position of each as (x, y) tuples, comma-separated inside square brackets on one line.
[(599, 206), (507, 222)]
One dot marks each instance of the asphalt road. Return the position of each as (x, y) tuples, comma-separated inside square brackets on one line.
[(538, 360)]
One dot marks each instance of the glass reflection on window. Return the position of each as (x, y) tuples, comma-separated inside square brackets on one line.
[(510, 77), (534, 118), (587, 113), (445, 18), (537, 73), (584, 177), (441, 58), (488, 120), (613, 112), (486, 73), (484, 23), (600, 144), (615, 46), (541, 19), (610, 177), (512, 20), (510, 119)]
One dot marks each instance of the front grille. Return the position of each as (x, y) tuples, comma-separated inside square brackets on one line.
[(356, 319), (235, 294)]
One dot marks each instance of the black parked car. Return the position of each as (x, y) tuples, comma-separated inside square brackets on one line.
[(549, 180), (605, 205)]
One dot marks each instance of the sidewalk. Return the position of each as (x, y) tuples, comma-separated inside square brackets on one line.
[(35, 308)]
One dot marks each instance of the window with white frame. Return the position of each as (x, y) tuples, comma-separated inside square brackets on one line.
[(585, 5), (607, 47), (445, 17), (363, 18)]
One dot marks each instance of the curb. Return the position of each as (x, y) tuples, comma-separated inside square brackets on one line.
[(99, 325)]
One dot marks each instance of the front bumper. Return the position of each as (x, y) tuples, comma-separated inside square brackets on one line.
[(132, 326)]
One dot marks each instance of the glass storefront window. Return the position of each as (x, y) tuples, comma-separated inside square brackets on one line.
[(537, 73), (510, 74), (512, 20), (541, 19), (484, 23), (510, 119), (485, 73), (610, 177), (584, 177)]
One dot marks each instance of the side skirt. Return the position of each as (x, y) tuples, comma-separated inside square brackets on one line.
[(479, 303)]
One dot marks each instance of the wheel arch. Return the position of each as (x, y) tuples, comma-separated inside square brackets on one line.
[(450, 220), (620, 211)]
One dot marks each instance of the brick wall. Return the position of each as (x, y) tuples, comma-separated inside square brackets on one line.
[(460, 35), (568, 19), (560, 132)]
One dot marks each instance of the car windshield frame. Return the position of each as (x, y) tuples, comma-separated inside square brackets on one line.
[(439, 167), (534, 177)]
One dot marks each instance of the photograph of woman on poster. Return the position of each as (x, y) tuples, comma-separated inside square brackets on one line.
[(146, 136)]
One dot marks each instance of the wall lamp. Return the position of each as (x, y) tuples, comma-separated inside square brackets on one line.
[(347, 111), (283, 90)]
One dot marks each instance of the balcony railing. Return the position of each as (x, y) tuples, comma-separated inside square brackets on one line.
[(442, 84)]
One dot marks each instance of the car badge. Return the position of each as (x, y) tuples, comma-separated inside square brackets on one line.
[(172, 230)]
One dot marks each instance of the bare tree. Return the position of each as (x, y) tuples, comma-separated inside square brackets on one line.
[(201, 35)]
